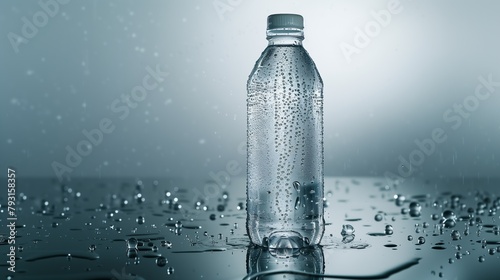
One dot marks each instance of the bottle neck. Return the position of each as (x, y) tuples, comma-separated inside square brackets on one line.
[(285, 36)]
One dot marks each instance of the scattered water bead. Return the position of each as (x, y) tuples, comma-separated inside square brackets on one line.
[(410, 238), (140, 220), (458, 255), (378, 217), (455, 235), (415, 209), (399, 199), (481, 259), (466, 231), (170, 270), (449, 215), (421, 240), (241, 206), (221, 208), (348, 238), (496, 230), (450, 260), (132, 243), (347, 230), (405, 211), (161, 261), (178, 224), (449, 223), (165, 243), (213, 217), (69, 257), (92, 247), (491, 251), (435, 217), (389, 230), (425, 225), (132, 253)]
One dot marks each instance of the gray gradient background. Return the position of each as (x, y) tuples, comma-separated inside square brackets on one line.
[(395, 91)]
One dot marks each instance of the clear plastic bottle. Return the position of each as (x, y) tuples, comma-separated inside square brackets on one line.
[(285, 141)]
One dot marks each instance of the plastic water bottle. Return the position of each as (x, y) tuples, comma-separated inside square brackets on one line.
[(285, 141)]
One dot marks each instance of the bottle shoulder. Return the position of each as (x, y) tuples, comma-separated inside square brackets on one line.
[(279, 63)]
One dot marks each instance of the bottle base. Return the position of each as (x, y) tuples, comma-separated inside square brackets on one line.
[(286, 240)]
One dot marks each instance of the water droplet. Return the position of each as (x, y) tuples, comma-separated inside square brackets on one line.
[(410, 238), (178, 224), (389, 230), (132, 253), (421, 240), (167, 244), (132, 243), (481, 259), (378, 217), (448, 219), (400, 199), (92, 247), (170, 270), (348, 238), (140, 220), (415, 209), (491, 251), (296, 186), (347, 230), (240, 206), (297, 203), (455, 235), (161, 261), (212, 217)]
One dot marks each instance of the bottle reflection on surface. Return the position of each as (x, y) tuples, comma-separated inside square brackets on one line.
[(264, 263)]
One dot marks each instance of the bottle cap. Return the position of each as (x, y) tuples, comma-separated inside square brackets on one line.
[(285, 21)]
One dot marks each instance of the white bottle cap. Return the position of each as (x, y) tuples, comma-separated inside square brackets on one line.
[(285, 21)]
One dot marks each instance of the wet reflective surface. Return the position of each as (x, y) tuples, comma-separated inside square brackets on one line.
[(157, 228)]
